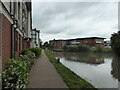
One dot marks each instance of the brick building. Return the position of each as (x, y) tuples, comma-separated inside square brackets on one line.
[(58, 43), (90, 41), (15, 28)]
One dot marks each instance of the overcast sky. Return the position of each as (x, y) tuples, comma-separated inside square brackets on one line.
[(63, 20)]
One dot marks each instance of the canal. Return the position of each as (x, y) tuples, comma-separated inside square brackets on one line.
[(101, 70)]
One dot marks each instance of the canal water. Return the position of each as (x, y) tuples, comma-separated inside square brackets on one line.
[(101, 70)]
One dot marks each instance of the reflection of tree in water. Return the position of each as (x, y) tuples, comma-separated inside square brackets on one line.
[(91, 58), (116, 68), (58, 54)]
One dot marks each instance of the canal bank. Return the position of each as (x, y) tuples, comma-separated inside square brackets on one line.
[(95, 68), (70, 78)]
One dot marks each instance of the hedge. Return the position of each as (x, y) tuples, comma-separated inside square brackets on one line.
[(37, 51), (17, 70)]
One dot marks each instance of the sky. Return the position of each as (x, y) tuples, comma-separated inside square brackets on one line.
[(67, 20)]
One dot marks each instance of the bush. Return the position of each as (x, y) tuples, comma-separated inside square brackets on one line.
[(98, 48), (16, 71), (115, 43), (15, 75), (29, 58), (37, 51), (83, 48), (76, 48)]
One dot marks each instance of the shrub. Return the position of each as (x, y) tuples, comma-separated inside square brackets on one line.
[(115, 43), (83, 48), (76, 48), (65, 48), (37, 51), (98, 48), (29, 58), (15, 75), (16, 71)]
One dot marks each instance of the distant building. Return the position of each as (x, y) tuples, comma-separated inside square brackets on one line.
[(58, 43), (90, 41), (15, 28), (36, 41), (107, 44)]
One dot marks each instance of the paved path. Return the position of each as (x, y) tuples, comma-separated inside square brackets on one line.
[(44, 75)]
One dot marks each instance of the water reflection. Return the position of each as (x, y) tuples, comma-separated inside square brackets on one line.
[(116, 68), (90, 58), (101, 70)]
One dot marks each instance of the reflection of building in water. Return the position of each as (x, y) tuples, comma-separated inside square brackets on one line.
[(58, 54), (116, 68), (90, 60), (84, 57)]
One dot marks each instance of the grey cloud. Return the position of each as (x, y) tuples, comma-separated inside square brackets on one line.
[(75, 19)]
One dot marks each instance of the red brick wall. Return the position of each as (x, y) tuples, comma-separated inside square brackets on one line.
[(91, 42), (57, 44), (6, 39), (20, 45)]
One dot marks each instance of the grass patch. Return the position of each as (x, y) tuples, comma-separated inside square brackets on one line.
[(70, 78), (58, 50), (101, 50)]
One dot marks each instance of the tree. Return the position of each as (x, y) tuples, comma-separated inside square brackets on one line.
[(115, 43), (47, 45)]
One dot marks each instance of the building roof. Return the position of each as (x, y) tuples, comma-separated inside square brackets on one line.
[(87, 38), (78, 39), (36, 30), (57, 40)]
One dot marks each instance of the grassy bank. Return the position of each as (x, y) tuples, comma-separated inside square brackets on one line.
[(70, 78), (83, 48), (58, 50), (101, 50)]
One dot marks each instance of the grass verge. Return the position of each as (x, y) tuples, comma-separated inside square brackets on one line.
[(70, 78)]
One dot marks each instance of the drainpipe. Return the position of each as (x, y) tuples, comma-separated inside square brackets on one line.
[(12, 25)]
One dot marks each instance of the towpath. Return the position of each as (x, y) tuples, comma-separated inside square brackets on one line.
[(44, 75)]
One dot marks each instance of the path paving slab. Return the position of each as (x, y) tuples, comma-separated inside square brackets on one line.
[(44, 75)]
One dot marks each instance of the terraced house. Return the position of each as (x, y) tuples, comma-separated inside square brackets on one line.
[(15, 28), (36, 41)]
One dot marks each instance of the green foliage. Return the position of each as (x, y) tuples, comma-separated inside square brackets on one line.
[(37, 51), (76, 48), (47, 45), (16, 71), (57, 50), (15, 74), (29, 58), (71, 79), (115, 43), (83, 48), (101, 50), (65, 48), (98, 48), (14, 55)]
